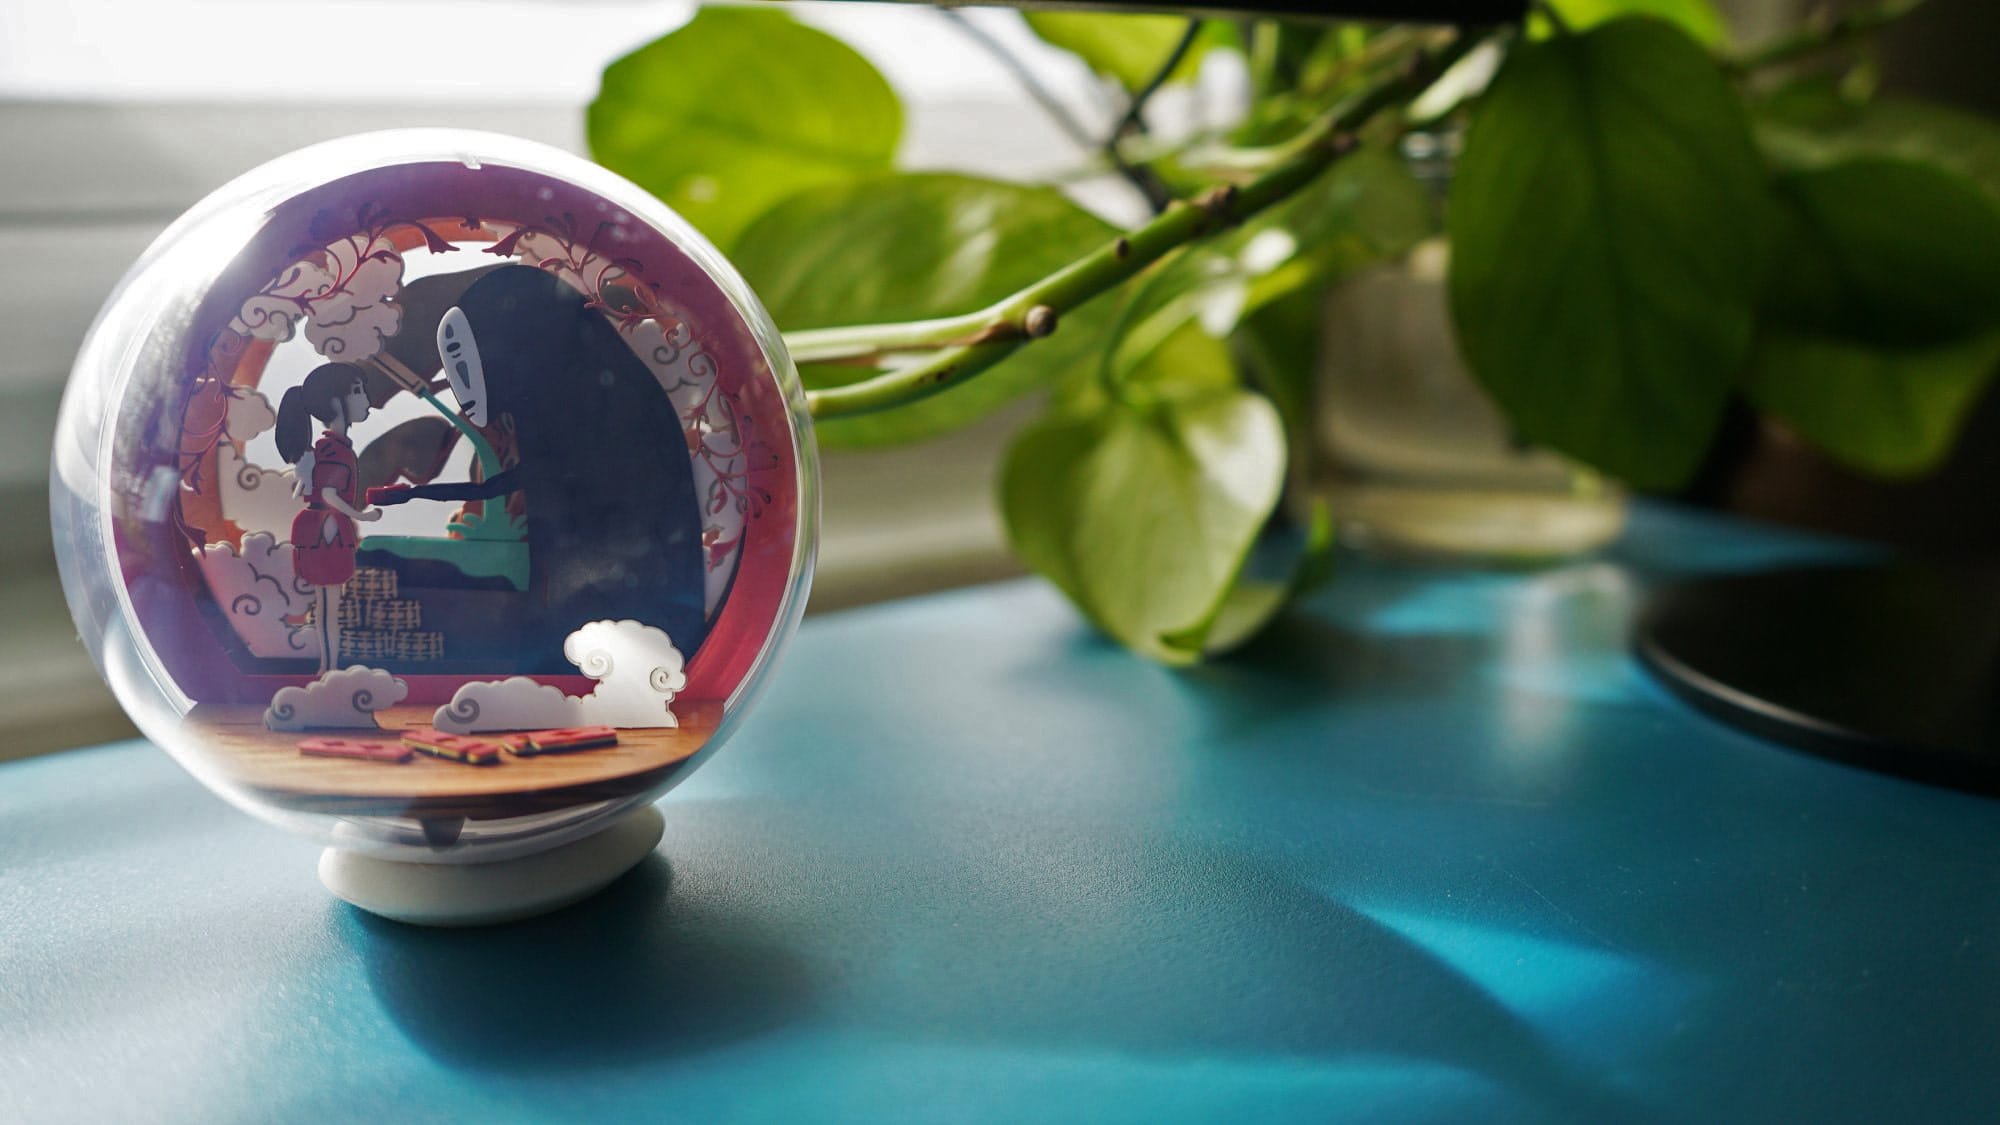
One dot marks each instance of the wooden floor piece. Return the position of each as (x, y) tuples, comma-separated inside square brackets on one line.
[(269, 763)]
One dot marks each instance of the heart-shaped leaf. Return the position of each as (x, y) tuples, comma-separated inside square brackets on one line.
[(1144, 507), (1883, 323), (1894, 412), (1608, 226), (739, 108)]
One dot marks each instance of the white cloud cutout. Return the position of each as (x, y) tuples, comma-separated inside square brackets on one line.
[(344, 294), (257, 590), (255, 498), (343, 699), (352, 325), (249, 414), (638, 672)]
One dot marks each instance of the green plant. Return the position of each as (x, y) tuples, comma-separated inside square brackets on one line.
[(1645, 222)]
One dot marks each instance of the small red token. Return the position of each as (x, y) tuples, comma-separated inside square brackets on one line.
[(355, 748), (566, 739), (453, 747)]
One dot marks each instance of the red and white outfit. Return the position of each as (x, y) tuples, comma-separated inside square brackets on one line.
[(324, 538)]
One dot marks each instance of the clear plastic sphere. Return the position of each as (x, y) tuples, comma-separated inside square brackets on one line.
[(437, 494)]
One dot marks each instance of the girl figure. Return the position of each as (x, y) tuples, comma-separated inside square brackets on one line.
[(323, 533)]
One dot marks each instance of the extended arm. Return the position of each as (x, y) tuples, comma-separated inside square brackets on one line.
[(490, 488), (333, 500)]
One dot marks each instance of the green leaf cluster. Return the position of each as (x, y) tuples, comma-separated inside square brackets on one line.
[(1639, 234), (1150, 493), (1636, 242)]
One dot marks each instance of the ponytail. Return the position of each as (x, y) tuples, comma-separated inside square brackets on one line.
[(322, 395), (294, 431)]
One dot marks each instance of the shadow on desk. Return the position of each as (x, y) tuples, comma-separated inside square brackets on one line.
[(627, 974), (1070, 944)]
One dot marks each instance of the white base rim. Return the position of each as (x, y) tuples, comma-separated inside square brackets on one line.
[(479, 894)]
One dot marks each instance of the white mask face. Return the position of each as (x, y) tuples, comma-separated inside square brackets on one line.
[(462, 368)]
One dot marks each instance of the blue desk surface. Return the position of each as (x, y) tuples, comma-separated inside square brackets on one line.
[(1433, 849)]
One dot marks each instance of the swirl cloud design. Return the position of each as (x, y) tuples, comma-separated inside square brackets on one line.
[(638, 672), (343, 699), (260, 592), (344, 293)]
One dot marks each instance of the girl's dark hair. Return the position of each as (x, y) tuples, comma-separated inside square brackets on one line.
[(320, 396)]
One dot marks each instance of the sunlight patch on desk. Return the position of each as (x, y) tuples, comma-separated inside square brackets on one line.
[(1597, 1006)]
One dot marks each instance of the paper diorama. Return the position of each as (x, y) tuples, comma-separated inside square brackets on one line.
[(483, 500)]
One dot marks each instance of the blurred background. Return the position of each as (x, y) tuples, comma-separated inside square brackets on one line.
[(116, 115)]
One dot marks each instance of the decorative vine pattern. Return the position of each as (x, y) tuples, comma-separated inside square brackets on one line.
[(721, 436)]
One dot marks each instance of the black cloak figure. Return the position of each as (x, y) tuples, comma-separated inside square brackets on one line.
[(614, 528)]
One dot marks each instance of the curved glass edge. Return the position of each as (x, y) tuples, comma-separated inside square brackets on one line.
[(162, 287)]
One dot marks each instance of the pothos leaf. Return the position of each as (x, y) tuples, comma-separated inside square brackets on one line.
[(1608, 228), (1286, 561), (1884, 324), (1894, 412), (1143, 507), (1698, 18), (1281, 346), (739, 108), (911, 247), (1811, 124), (1128, 48), (1887, 252)]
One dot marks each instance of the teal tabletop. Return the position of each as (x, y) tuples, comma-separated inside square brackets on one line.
[(1432, 849)]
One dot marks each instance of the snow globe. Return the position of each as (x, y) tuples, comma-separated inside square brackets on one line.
[(443, 497)]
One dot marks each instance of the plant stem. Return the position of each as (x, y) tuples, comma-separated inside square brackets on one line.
[(1822, 35), (864, 342), (1133, 121), (1003, 327), (1390, 43)]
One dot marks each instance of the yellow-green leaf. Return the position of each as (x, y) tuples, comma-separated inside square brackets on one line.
[(738, 109), (1128, 48), (1144, 509), (1698, 18)]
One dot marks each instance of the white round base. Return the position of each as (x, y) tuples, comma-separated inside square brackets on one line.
[(478, 894)]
